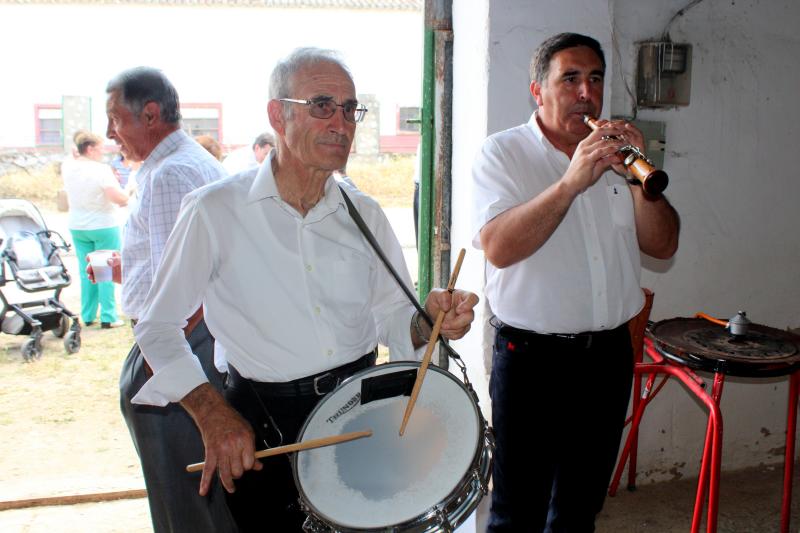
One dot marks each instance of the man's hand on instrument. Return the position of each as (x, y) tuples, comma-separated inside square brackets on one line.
[(593, 156), (228, 438), (458, 308), (628, 135)]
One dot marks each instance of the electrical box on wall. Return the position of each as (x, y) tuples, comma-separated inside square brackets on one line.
[(664, 74)]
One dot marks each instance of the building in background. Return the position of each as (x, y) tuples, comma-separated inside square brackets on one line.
[(218, 53)]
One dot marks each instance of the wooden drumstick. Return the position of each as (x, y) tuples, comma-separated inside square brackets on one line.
[(299, 446), (423, 367)]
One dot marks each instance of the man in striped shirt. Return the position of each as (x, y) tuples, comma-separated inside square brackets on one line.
[(144, 119)]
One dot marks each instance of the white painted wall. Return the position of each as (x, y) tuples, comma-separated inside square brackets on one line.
[(211, 54), (733, 180), (470, 123)]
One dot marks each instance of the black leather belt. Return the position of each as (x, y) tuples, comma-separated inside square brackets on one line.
[(584, 339), (316, 385)]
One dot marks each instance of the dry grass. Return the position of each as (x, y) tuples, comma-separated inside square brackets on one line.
[(387, 178), (40, 186)]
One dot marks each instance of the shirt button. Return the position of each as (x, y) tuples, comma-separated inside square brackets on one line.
[(317, 310), (308, 267), (330, 352)]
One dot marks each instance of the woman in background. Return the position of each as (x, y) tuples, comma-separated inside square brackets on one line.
[(94, 194), (211, 145)]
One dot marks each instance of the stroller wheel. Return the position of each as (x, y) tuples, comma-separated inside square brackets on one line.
[(62, 328), (31, 350), (72, 341)]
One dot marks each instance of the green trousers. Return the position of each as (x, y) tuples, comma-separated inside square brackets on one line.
[(99, 294)]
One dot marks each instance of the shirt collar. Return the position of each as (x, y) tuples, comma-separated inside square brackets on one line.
[(167, 145), (533, 125), (264, 186), (536, 129)]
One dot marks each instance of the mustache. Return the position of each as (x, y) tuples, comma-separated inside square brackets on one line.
[(334, 138), (586, 109)]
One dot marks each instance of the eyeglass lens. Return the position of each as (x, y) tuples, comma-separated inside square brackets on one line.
[(325, 108)]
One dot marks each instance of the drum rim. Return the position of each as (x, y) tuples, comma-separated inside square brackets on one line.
[(309, 508)]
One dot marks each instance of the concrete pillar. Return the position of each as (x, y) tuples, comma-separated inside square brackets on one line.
[(368, 132), (76, 114)]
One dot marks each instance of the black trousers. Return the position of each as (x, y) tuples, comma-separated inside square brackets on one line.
[(267, 500), (566, 399)]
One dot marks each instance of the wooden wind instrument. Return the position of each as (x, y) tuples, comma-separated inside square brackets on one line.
[(653, 180)]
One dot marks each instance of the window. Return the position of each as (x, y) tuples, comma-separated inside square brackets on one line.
[(49, 121), (202, 119), (404, 114)]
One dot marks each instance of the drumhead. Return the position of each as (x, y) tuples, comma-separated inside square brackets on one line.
[(386, 479)]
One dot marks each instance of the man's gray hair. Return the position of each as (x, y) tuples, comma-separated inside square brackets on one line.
[(140, 85), (281, 77)]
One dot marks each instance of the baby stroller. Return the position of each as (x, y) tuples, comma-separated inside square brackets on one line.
[(27, 247)]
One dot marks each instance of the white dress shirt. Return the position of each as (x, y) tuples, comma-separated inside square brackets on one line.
[(288, 296), (585, 277), (176, 166)]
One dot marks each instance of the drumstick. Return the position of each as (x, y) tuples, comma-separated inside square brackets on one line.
[(299, 446), (423, 367)]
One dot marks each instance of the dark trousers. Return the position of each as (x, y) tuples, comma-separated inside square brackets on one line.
[(167, 439), (558, 410), (268, 500)]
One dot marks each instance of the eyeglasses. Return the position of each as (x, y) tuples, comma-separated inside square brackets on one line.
[(325, 107)]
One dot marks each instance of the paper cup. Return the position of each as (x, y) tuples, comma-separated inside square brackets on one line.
[(99, 261)]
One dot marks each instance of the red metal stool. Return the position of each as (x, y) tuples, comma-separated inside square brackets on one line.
[(637, 327), (679, 346)]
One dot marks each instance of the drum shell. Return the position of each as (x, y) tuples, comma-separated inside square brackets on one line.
[(443, 515)]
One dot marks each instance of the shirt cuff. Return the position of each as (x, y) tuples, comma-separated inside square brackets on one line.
[(171, 383), (400, 346)]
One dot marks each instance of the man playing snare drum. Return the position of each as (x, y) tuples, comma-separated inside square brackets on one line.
[(562, 237), (290, 287)]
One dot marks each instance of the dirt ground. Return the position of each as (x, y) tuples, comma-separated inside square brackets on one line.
[(61, 428)]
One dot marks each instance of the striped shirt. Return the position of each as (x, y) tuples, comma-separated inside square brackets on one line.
[(177, 166)]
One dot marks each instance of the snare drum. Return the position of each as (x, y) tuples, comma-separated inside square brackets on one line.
[(430, 479)]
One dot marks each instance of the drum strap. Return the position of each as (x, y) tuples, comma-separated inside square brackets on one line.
[(356, 216)]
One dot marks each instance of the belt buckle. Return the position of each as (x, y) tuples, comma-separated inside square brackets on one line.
[(584, 339), (319, 379)]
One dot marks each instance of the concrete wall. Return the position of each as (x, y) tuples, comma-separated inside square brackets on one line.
[(471, 75), (211, 54), (733, 180)]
